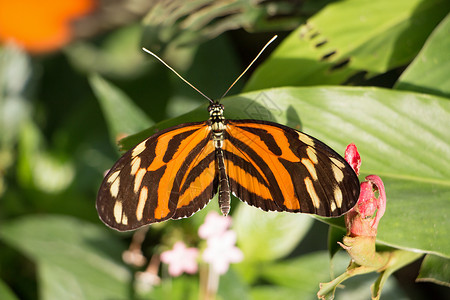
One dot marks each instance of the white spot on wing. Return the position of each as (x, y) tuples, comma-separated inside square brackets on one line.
[(138, 149), (310, 167), (311, 152), (118, 212), (113, 176), (114, 188), (305, 139), (138, 179), (338, 196), (124, 219), (312, 192), (338, 174), (333, 206), (337, 162), (135, 164), (141, 204)]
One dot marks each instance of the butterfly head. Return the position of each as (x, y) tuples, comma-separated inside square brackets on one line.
[(216, 118), (216, 111)]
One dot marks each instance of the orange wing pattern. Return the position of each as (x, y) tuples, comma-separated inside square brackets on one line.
[(176, 172), (170, 175), (277, 168)]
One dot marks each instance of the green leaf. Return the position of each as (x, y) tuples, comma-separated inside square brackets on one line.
[(118, 55), (184, 287), (304, 273), (429, 72), (435, 269), (348, 37), (6, 293), (122, 115), (36, 164), (402, 137), (335, 235), (265, 236), (74, 259), (231, 286), (416, 201)]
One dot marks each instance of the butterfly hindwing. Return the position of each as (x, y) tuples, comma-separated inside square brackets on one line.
[(169, 175), (277, 168), (174, 173)]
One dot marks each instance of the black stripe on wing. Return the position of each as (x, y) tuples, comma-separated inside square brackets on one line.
[(306, 176)]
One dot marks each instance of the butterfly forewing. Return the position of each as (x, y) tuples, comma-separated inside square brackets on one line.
[(176, 172), (169, 175), (277, 168)]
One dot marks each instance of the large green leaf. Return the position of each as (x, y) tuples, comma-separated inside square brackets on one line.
[(402, 136), (435, 269), (122, 115), (118, 55), (264, 236), (348, 37), (6, 293), (75, 260), (231, 286), (430, 70)]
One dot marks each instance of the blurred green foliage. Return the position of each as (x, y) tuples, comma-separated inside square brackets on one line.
[(62, 113)]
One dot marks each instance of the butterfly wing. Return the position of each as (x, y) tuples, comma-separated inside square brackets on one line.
[(277, 168), (170, 175)]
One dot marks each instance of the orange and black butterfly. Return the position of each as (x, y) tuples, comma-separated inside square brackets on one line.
[(177, 171)]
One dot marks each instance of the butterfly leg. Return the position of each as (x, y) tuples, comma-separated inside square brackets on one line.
[(224, 186)]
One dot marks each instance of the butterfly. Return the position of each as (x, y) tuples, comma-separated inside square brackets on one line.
[(177, 171)]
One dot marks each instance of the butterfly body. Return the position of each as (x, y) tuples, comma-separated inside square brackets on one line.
[(177, 171)]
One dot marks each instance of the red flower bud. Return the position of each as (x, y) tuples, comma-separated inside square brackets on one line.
[(363, 219), (353, 158)]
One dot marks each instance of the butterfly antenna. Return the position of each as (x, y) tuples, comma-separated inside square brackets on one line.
[(181, 77), (242, 74)]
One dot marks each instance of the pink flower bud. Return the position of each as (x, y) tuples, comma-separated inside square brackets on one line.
[(363, 219), (353, 158)]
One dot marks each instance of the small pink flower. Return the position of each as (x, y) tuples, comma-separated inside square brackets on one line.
[(181, 259), (363, 219), (353, 158), (221, 251), (214, 225)]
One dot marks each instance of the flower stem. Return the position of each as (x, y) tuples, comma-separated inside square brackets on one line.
[(209, 283)]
